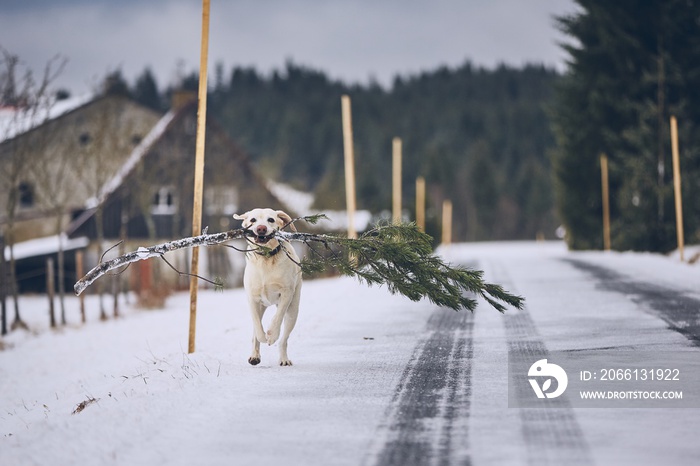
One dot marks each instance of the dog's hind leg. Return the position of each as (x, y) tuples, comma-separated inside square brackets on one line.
[(290, 320)]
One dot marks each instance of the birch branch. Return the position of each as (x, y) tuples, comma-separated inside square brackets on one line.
[(158, 250)]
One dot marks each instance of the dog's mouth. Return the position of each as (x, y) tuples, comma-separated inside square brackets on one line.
[(259, 239)]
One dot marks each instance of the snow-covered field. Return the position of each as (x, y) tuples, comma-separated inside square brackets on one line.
[(146, 401), (156, 404)]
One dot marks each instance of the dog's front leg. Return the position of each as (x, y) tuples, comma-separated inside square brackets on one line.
[(254, 358), (257, 309)]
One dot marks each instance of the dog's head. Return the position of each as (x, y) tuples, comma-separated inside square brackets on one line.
[(264, 223)]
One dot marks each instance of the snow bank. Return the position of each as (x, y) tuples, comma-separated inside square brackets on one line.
[(47, 245)]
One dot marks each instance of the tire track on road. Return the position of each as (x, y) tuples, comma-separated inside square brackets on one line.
[(680, 311), (552, 435), (427, 420)]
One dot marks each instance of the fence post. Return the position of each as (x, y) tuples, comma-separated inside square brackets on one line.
[(606, 201), (50, 286), (446, 222), (396, 180), (79, 274), (349, 164), (420, 203), (677, 185), (4, 282)]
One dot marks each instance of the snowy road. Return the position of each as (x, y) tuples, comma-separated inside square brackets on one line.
[(377, 380)]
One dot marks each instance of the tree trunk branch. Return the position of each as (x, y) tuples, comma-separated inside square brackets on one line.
[(399, 256)]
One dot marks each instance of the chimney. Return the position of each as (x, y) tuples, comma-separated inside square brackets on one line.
[(181, 97)]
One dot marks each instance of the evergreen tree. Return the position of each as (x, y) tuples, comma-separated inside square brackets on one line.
[(471, 132), (631, 68), (115, 84), (146, 91)]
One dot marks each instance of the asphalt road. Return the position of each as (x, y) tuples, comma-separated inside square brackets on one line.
[(451, 403)]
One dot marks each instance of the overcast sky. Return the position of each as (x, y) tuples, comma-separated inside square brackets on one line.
[(352, 40)]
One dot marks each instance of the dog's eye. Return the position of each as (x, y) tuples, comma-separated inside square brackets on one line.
[(252, 220), (271, 220)]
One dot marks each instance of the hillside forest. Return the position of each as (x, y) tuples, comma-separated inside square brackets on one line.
[(479, 137), (516, 150)]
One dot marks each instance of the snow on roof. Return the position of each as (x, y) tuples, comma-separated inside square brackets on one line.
[(338, 219), (134, 158), (47, 245), (300, 202), (14, 121)]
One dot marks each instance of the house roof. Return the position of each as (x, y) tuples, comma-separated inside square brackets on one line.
[(134, 158), (157, 133), (301, 202), (15, 121)]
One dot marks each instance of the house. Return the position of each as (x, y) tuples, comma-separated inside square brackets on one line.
[(51, 161), (123, 172), (150, 198)]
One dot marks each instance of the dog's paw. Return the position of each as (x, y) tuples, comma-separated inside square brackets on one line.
[(262, 337), (285, 362), (272, 336), (254, 360)]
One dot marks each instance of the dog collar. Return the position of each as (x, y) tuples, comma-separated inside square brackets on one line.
[(276, 250), (272, 252)]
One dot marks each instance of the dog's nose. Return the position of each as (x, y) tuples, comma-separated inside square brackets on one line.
[(261, 230)]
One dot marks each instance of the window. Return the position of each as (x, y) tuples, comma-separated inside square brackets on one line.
[(26, 195), (164, 202), (221, 200)]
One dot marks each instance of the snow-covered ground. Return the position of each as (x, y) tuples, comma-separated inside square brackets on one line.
[(156, 404), (146, 401)]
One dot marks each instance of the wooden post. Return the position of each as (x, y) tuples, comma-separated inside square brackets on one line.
[(199, 170), (396, 181), (79, 268), (349, 165), (606, 201), (420, 203), (50, 289), (677, 185), (446, 222), (4, 282)]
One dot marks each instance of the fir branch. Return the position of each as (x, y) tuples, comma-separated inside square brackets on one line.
[(399, 256)]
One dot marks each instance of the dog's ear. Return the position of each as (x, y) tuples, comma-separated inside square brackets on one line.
[(286, 220), (243, 217)]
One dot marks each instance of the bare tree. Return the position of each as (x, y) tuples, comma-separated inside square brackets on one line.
[(50, 172), (101, 154), (27, 102)]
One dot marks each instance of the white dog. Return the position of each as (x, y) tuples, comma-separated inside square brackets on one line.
[(271, 278)]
